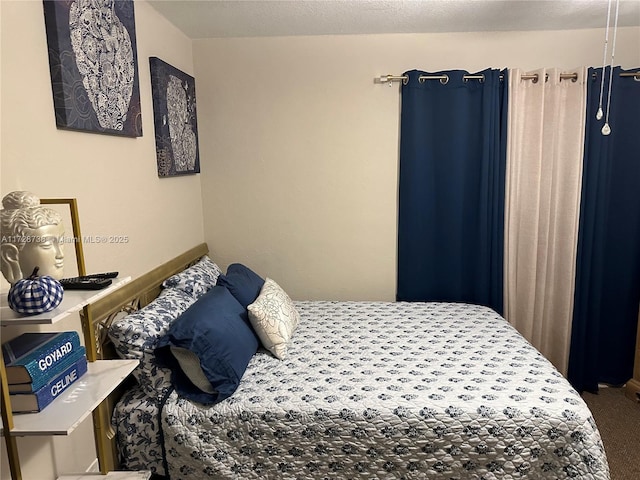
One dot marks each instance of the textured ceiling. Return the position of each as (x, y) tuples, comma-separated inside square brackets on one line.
[(256, 18)]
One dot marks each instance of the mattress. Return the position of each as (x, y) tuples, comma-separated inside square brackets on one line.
[(391, 390)]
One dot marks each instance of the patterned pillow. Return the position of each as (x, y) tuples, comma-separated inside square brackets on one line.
[(197, 279), (135, 335), (274, 318)]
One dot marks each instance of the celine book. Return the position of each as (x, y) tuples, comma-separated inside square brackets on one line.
[(36, 357), (36, 401)]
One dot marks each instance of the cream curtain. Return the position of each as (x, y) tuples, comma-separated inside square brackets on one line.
[(545, 145)]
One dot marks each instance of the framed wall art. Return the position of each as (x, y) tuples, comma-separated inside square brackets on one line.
[(94, 66), (175, 120)]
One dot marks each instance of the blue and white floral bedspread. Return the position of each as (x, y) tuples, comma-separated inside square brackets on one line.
[(391, 391)]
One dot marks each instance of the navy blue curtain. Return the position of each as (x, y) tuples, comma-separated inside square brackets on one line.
[(607, 292), (451, 188)]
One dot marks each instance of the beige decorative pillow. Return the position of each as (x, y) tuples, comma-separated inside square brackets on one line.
[(274, 318)]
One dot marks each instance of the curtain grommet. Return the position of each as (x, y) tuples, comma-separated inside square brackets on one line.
[(444, 80)]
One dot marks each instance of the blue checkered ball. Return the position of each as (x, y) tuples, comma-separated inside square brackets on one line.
[(35, 294)]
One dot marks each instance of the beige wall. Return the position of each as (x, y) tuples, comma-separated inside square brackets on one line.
[(114, 179), (300, 146), (299, 152)]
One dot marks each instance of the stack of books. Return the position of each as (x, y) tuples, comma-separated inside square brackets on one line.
[(40, 366)]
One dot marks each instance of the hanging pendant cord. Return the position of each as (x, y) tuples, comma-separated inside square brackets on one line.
[(606, 129), (604, 61)]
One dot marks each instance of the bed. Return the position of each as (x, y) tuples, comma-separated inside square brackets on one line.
[(375, 390)]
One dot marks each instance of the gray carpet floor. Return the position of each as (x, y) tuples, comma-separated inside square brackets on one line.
[(618, 419)]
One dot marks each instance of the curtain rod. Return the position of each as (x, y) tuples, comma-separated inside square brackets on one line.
[(445, 78)]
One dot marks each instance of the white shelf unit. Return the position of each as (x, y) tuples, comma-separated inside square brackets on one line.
[(72, 301), (108, 476), (76, 403), (81, 399)]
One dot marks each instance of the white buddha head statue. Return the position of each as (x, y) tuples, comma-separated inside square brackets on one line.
[(32, 236)]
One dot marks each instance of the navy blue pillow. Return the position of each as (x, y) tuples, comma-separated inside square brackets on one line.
[(217, 330), (242, 282)]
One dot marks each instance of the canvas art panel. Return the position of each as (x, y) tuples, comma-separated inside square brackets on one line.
[(175, 120), (94, 65)]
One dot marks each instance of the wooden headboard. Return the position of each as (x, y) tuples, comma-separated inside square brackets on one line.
[(96, 319)]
